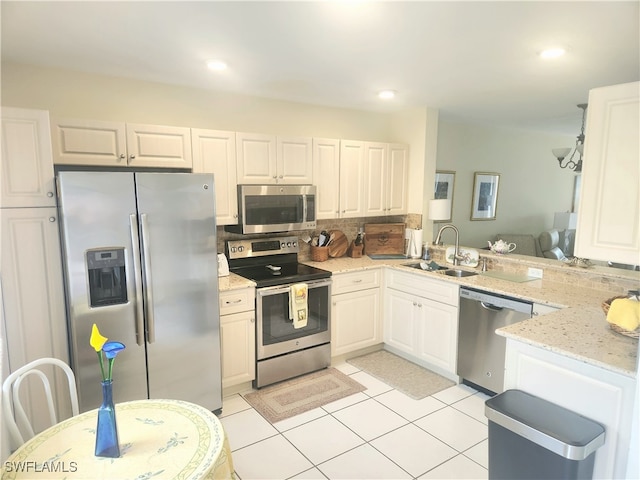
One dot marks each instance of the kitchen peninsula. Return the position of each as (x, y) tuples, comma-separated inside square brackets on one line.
[(567, 353)]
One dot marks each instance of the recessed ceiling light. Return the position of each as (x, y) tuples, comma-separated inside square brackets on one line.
[(552, 53), (386, 94), (216, 65)]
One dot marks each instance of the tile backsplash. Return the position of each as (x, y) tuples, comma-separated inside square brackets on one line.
[(348, 226)]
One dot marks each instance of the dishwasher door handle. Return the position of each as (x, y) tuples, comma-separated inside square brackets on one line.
[(490, 306)]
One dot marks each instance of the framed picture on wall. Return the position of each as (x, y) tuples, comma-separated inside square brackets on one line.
[(485, 196), (443, 189)]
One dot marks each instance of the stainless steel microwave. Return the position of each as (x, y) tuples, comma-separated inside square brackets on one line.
[(275, 208)]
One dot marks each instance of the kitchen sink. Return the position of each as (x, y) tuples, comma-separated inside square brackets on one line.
[(426, 268), (454, 272)]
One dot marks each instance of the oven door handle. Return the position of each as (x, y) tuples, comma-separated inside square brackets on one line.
[(278, 289)]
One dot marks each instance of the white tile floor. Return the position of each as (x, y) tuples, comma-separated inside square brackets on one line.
[(377, 434)]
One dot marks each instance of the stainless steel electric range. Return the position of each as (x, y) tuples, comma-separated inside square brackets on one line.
[(283, 351)]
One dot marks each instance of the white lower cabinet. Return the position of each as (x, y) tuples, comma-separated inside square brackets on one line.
[(33, 300), (355, 311), (596, 393), (238, 336), (421, 320)]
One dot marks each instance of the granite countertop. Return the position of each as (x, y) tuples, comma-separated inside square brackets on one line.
[(234, 282), (578, 330)]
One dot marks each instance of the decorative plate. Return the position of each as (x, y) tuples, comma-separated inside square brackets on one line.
[(471, 256)]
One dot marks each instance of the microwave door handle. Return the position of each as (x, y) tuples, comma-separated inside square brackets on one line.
[(304, 208), (148, 304), (137, 274)]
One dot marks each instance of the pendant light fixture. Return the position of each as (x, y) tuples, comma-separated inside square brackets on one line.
[(562, 153)]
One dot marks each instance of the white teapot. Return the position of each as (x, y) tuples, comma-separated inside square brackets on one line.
[(502, 247)]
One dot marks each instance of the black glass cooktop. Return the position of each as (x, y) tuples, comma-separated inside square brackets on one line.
[(281, 274)]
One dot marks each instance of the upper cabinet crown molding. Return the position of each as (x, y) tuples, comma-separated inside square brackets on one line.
[(117, 144), (268, 159), (609, 213), (27, 166)]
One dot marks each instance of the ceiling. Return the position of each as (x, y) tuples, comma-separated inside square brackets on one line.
[(475, 61)]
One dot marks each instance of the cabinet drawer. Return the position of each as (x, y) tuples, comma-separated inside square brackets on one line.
[(353, 281), (419, 284), (234, 301)]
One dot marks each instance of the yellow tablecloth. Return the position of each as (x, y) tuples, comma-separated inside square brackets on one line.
[(159, 439)]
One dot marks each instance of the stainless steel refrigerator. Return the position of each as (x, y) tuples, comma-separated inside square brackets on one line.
[(140, 261)]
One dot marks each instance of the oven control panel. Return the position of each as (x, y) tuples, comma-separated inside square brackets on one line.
[(258, 247)]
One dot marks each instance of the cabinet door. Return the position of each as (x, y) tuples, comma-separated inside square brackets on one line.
[(326, 171), (376, 178), (215, 152), (400, 325), (437, 333), (352, 179), (158, 146), (33, 297), (609, 212), (397, 178), (238, 336), (89, 142), (294, 165), (355, 321), (27, 168), (256, 158)]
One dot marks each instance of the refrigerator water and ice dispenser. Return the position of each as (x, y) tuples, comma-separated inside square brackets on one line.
[(107, 278)]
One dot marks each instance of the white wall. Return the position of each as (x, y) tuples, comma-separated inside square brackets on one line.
[(532, 185), (68, 94)]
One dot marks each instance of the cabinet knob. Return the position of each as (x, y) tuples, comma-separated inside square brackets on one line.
[(253, 320), (132, 157), (52, 219), (49, 194), (122, 156), (280, 176)]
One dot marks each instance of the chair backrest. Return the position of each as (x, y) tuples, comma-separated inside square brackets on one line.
[(18, 424), (549, 240)]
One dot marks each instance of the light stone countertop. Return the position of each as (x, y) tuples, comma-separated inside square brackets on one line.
[(579, 330), (234, 282)]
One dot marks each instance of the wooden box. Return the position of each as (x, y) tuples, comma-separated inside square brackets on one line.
[(387, 238)]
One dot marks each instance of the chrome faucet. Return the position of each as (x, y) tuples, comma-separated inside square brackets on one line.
[(456, 254)]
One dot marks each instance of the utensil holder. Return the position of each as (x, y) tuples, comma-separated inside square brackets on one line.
[(319, 254), (355, 251)]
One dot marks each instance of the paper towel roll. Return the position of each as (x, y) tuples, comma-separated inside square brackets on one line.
[(414, 245)]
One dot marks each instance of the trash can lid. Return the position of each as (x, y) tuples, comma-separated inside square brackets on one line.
[(549, 425)]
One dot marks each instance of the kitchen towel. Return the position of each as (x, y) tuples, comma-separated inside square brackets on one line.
[(298, 304)]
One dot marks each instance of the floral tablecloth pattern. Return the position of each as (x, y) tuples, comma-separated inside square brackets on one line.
[(159, 439)]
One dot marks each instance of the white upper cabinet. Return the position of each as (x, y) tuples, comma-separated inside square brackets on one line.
[(386, 171), (375, 156), (214, 152), (609, 212), (116, 144), (294, 160), (352, 179), (326, 165), (267, 159), (397, 179), (27, 167)]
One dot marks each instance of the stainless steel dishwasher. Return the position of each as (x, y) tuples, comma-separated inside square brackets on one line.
[(481, 351)]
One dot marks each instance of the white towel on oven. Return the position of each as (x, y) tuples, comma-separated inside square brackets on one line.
[(298, 308)]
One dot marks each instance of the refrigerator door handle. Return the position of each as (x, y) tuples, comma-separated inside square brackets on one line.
[(135, 249), (148, 304)]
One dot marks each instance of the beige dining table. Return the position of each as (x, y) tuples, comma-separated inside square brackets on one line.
[(159, 439)]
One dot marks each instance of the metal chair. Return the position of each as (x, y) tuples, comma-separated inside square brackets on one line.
[(18, 424)]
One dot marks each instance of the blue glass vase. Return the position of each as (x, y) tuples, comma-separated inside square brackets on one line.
[(107, 430)]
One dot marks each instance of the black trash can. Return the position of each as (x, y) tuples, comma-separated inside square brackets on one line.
[(531, 438)]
